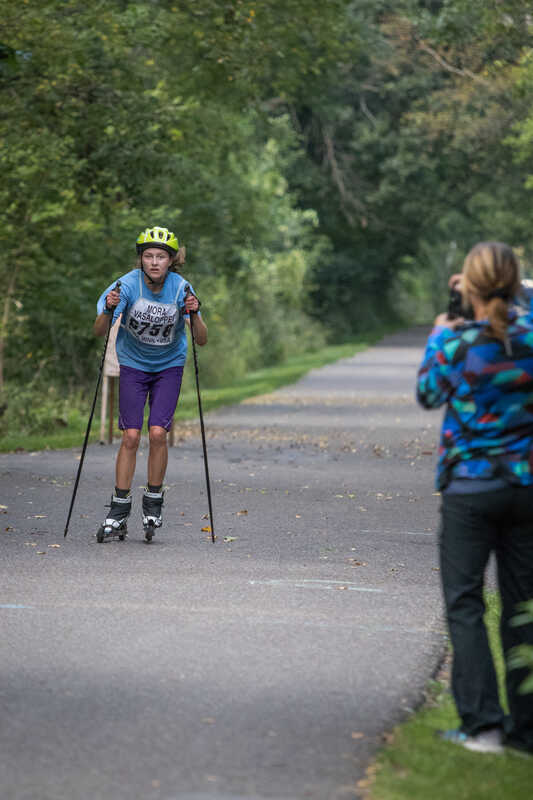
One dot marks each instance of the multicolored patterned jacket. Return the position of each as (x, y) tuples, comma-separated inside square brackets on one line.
[(487, 431)]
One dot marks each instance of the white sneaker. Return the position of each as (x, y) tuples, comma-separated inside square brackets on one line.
[(489, 741)]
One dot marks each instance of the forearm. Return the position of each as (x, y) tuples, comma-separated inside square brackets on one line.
[(433, 388), (429, 391), (101, 324), (199, 329)]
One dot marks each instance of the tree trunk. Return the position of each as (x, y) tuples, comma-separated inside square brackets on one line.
[(4, 325)]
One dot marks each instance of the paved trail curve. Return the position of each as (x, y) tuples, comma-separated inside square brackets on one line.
[(268, 665)]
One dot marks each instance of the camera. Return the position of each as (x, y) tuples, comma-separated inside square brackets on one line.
[(456, 308), (524, 298)]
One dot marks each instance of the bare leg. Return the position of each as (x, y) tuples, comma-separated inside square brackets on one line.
[(127, 457), (158, 455)]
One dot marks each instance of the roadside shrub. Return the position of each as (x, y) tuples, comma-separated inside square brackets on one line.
[(522, 656), (36, 409)]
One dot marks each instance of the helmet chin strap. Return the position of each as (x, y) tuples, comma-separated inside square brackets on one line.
[(151, 280)]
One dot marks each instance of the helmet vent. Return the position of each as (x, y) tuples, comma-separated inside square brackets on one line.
[(152, 236)]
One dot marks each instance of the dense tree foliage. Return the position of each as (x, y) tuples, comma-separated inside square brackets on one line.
[(326, 164), (417, 150)]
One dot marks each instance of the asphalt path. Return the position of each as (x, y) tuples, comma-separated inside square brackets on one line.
[(267, 665)]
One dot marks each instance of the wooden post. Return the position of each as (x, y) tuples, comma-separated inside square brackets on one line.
[(103, 409), (111, 409), (111, 371)]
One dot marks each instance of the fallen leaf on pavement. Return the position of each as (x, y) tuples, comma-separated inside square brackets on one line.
[(230, 538), (207, 528), (241, 513), (357, 735)]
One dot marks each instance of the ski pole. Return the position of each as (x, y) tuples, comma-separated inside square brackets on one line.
[(202, 428), (87, 432)]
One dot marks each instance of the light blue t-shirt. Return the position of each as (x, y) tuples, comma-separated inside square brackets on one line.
[(152, 333)]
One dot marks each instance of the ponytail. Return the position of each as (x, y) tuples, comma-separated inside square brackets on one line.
[(498, 316), (492, 272)]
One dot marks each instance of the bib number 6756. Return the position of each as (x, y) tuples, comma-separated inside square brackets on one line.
[(146, 328)]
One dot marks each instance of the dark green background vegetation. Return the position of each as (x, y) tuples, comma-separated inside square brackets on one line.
[(326, 164)]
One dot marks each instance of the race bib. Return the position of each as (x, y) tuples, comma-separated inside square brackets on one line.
[(153, 323)]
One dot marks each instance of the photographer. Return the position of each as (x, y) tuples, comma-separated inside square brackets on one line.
[(482, 370)]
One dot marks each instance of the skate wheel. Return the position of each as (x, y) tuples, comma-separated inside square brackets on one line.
[(121, 537), (149, 532), (100, 536)]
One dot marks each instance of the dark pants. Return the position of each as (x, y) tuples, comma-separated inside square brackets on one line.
[(162, 389), (473, 526)]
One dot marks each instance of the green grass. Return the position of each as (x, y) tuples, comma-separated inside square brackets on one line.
[(418, 766), (254, 383)]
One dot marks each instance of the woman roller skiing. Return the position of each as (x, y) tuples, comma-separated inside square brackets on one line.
[(154, 303)]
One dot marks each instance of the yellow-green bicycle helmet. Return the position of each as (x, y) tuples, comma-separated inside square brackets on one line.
[(157, 237)]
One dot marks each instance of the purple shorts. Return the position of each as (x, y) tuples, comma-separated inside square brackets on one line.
[(162, 389)]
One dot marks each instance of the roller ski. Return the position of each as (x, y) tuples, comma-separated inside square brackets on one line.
[(115, 525), (152, 505)]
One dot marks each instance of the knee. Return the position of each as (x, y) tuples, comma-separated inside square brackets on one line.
[(131, 439), (158, 436)]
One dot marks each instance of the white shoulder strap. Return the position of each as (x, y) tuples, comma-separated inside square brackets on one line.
[(180, 286)]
